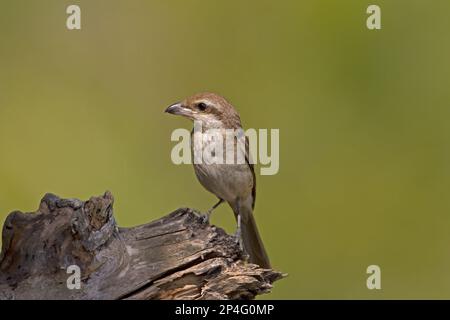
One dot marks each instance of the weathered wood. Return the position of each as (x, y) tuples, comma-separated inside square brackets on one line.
[(176, 257)]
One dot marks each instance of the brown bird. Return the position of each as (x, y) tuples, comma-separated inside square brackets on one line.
[(234, 183)]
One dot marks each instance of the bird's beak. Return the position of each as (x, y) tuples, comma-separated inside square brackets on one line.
[(178, 109)]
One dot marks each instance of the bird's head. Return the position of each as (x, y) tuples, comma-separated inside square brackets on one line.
[(212, 110)]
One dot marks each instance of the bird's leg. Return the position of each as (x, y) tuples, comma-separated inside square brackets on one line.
[(214, 207), (240, 240), (208, 213), (238, 234), (238, 237)]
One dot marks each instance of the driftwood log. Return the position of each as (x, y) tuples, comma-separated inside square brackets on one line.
[(176, 257)]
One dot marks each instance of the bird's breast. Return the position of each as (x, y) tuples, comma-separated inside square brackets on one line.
[(226, 181)]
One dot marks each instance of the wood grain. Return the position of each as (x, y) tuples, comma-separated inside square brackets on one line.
[(176, 257)]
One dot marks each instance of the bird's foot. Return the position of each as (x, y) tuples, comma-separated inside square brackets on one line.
[(238, 234), (245, 257), (238, 239), (205, 217)]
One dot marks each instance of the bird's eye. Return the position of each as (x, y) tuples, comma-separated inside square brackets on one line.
[(202, 106)]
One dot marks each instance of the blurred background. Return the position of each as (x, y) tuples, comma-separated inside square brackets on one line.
[(363, 116)]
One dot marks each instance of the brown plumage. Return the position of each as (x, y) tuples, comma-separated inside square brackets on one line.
[(234, 183)]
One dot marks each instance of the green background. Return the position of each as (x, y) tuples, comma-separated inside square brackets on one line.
[(363, 116)]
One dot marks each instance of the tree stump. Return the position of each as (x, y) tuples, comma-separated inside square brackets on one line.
[(176, 257)]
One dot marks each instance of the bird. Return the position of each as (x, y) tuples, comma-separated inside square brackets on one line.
[(233, 183)]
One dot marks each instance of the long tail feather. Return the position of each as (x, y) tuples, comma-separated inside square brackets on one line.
[(252, 241)]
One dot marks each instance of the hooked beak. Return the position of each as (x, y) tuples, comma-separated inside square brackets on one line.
[(178, 109)]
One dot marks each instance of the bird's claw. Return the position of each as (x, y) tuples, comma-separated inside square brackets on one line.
[(205, 217), (238, 239)]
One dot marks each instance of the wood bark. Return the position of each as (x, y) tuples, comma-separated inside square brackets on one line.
[(176, 257)]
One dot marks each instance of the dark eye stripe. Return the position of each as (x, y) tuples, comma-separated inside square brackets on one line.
[(202, 106)]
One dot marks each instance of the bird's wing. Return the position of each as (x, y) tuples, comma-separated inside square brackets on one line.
[(252, 169)]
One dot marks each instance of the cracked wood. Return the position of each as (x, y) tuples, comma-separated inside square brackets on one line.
[(175, 257)]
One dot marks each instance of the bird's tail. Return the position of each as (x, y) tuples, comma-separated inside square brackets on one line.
[(252, 242)]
